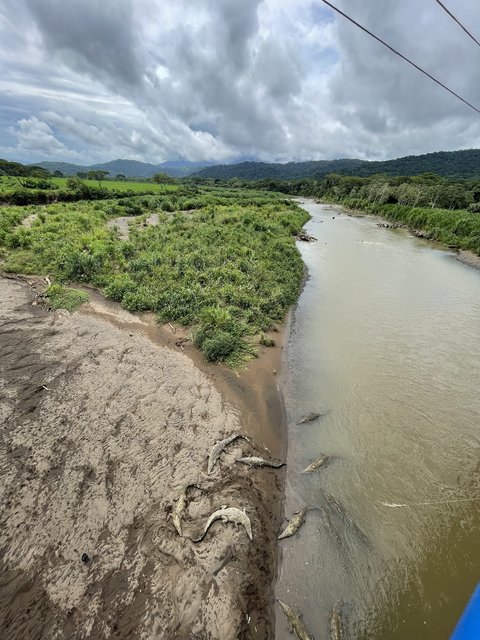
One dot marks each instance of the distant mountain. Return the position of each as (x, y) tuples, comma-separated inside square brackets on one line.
[(67, 168), (129, 168), (450, 164), (288, 171), (181, 168)]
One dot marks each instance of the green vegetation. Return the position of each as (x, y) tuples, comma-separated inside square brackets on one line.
[(266, 341), (220, 260), (61, 297), (426, 190), (444, 210), (121, 185), (456, 229), (450, 164), (16, 169), (47, 189)]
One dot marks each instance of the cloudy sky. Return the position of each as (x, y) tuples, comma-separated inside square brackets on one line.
[(91, 80)]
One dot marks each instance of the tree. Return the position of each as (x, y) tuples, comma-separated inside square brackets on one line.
[(162, 178), (120, 176), (453, 196), (58, 174), (11, 168), (98, 174), (74, 183), (37, 172)]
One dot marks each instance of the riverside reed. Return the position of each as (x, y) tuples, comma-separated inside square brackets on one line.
[(456, 229), (222, 261)]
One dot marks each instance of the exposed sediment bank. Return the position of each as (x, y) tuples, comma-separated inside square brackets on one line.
[(106, 417)]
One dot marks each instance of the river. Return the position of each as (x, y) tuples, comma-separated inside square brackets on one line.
[(385, 339)]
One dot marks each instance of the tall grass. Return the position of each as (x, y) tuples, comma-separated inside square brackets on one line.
[(222, 261)]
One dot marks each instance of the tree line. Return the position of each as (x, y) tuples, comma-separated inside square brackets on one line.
[(425, 190)]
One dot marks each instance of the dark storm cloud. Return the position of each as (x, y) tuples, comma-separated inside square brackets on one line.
[(235, 24), (216, 79), (91, 36)]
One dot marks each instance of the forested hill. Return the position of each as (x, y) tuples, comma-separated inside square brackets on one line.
[(450, 164), (130, 168)]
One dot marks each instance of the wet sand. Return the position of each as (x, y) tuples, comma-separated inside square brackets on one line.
[(469, 258), (105, 417)]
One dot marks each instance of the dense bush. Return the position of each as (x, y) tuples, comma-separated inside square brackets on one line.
[(219, 346), (266, 341), (37, 183), (44, 192)]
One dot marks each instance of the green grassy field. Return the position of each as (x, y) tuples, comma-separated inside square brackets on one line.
[(222, 261), (8, 184)]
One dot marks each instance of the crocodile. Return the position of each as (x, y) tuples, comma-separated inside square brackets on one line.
[(317, 464), (346, 517), (338, 508), (336, 622), (229, 514), (229, 556), (179, 508), (331, 529), (254, 461), (296, 625), (218, 448), (310, 417), (294, 524)]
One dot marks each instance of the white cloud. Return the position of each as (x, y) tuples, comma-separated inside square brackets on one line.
[(202, 79), (36, 140)]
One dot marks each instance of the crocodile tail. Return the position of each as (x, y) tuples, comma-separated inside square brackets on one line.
[(200, 538)]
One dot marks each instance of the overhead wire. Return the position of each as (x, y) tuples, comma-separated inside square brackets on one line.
[(413, 64), (457, 21)]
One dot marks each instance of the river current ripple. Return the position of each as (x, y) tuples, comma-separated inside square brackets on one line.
[(386, 340)]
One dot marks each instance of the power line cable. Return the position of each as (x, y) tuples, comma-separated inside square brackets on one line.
[(425, 73), (457, 21)]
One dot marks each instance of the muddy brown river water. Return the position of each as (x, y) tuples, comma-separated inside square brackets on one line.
[(386, 338)]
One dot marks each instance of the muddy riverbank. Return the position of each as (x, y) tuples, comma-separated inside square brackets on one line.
[(106, 417)]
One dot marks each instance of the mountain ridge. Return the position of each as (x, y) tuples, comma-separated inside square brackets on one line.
[(129, 168), (450, 164), (460, 164)]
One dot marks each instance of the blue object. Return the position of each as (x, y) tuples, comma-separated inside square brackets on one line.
[(468, 627)]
